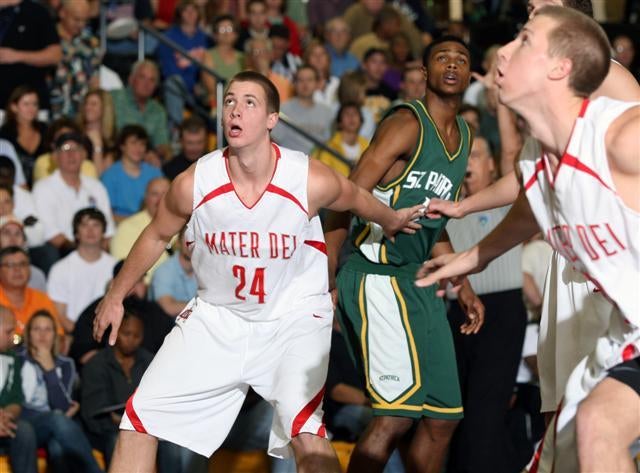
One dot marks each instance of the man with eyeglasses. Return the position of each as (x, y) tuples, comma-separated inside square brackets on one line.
[(59, 196), (15, 293)]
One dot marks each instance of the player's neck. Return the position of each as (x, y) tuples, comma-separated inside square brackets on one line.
[(252, 165), (443, 109), (551, 121)]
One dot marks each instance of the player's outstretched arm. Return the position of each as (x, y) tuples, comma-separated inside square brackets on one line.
[(329, 189), (173, 213), (517, 226), (619, 85), (502, 192)]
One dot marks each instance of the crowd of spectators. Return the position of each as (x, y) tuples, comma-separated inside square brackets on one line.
[(91, 138)]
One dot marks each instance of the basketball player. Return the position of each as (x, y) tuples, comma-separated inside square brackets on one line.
[(545, 75), (262, 317), (399, 335), (574, 313)]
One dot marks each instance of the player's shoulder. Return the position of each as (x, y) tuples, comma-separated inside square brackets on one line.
[(289, 154)]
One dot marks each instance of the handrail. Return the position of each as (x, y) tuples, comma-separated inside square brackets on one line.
[(220, 80)]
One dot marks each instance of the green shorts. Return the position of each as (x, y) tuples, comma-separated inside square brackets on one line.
[(400, 338)]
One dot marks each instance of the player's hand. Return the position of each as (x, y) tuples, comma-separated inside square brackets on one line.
[(108, 313), (473, 308), (438, 207), (405, 221), (449, 267)]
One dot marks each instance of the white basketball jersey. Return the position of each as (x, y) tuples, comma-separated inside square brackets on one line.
[(259, 261), (586, 221)]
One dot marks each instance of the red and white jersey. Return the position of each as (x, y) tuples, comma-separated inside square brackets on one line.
[(582, 215), (259, 262)]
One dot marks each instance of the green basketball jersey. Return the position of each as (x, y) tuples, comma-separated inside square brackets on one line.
[(432, 172)]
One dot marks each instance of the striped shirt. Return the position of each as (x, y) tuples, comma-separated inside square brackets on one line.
[(505, 272)]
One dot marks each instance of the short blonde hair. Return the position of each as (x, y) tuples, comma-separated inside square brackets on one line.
[(584, 42)]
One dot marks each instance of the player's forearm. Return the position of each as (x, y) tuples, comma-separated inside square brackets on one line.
[(518, 226), (336, 230), (502, 192), (145, 252), (365, 205)]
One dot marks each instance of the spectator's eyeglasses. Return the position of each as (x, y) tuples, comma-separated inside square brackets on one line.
[(225, 29), (22, 264)]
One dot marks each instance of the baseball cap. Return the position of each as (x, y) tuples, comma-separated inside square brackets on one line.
[(74, 137)]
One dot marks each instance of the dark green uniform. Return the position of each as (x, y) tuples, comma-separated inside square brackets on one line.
[(398, 333)]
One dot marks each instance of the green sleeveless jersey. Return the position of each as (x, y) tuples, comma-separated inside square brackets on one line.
[(431, 172)]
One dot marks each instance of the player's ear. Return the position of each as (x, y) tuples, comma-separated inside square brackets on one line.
[(560, 68), (272, 120)]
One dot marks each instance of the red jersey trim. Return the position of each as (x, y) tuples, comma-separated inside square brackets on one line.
[(306, 412), (540, 165), (287, 195), (133, 417), (223, 189), (225, 154), (321, 246), (573, 162)]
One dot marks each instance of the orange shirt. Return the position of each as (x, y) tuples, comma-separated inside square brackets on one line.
[(34, 301)]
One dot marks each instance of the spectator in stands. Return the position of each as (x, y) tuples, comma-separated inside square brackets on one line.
[(15, 434), (28, 48), (346, 140), (361, 15), (179, 74), (317, 56), (385, 26), (32, 226), (45, 165), (59, 196), (14, 291), (78, 70), (134, 105), (276, 16), (320, 13), (173, 283), (487, 361), (130, 228), (314, 118), (22, 198), (157, 323), (256, 25), (338, 36), (378, 94), (23, 129), (12, 234), (475, 93), (110, 378), (352, 89), (7, 150), (48, 380), (283, 61), (193, 144), (97, 120), (127, 179), (471, 115), (400, 59), (412, 86), (224, 58), (80, 277), (258, 58), (625, 53)]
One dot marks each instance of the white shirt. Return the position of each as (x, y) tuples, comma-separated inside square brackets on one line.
[(57, 203), (7, 149), (77, 283)]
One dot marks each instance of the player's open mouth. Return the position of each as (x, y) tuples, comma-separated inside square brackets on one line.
[(234, 131), (450, 78)]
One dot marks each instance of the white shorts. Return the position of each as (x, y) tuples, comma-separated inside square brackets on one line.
[(196, 384), (574, 316)]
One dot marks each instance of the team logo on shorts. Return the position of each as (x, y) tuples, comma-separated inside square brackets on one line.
[(389, 377), (185, 314)]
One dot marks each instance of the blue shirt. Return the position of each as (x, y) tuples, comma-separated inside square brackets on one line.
[(167, 58), (126, 192), (342, 63), (169, 279)]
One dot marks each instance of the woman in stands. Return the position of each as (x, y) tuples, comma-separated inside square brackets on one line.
[(97, 120)]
